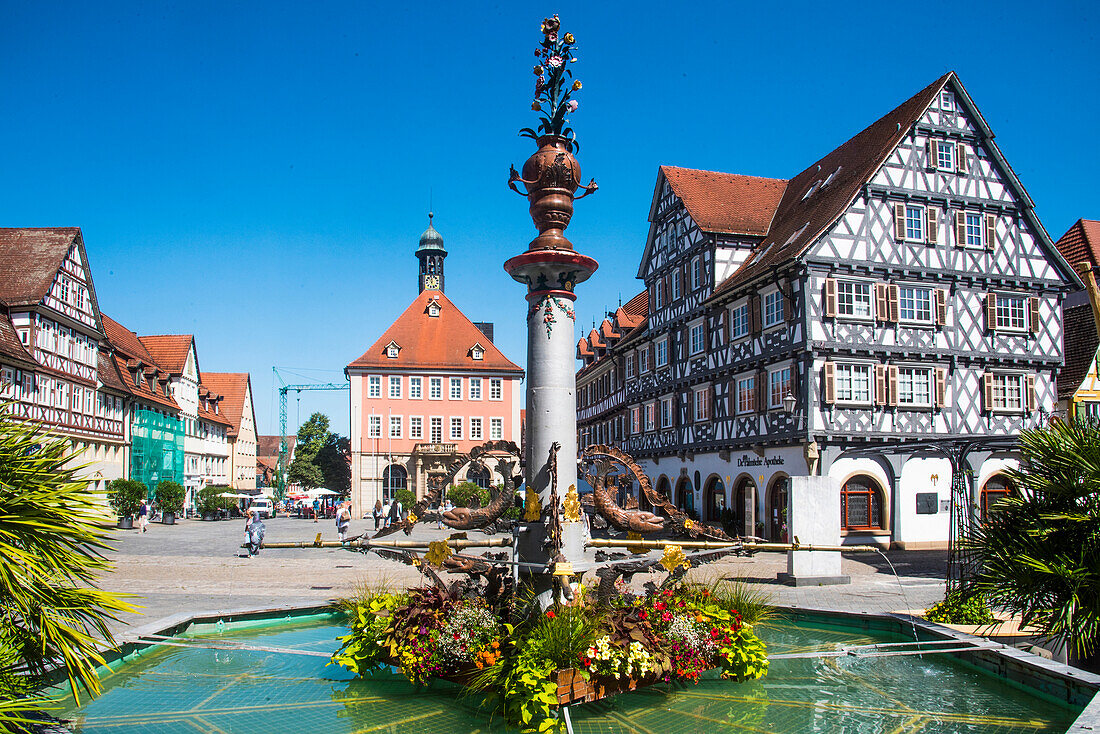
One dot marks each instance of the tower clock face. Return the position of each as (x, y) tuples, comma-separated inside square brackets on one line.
[(431, 282)]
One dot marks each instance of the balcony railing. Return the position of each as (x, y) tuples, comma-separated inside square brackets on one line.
[(435, 448)]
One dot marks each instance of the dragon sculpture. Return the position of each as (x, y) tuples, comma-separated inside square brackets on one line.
[(637, 521), (466, 518)]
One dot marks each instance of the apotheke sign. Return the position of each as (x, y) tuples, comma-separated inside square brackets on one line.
[(750, 460)]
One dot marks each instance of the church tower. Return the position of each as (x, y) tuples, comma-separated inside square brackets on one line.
[(430, 253)]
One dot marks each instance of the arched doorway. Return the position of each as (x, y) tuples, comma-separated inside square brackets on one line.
[(685, 495), (778, 500), (479, 476), (663, 487), (996, 488), (715, 499), (861, 504), (744, 506), (394, 477)]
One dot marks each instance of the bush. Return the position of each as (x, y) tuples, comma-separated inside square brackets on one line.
[(210, 502), (170, 496), (406, 497), (461, 494), (957, 608), (125, 496)]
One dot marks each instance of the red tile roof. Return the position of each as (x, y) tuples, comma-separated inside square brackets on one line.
[(634, 311), (1081, 243), (726, 202), (428, 342), (29, 260), (1079, 335), (233, 387), (800, 219), (169, 350), (583, 349), (269, 445), (595, 340), (12, 350), (207, 414), (129, 352), (607, 330), (108, 374)]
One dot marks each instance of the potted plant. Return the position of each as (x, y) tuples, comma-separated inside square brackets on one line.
[(125, 496), (209, 502), (170, 499)]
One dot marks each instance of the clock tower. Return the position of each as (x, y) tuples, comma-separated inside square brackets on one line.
[(430, 253)]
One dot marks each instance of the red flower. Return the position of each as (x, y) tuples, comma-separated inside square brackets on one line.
[(660, 606), (550, 614), (666, 617), (642, 615), (456, 635)]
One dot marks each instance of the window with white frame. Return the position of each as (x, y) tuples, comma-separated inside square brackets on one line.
[(416, 427), (395, 426), (375, 424), (853, 383), (947, 102), (496, 429), (853, 299), (696, 338), (1011, 312), (915, 386), (496, 388), (746, 394), (435, 388), (914, 304), (374, 386), (659, 293), (391, 352), (477, 353), (475, 430), (475, 388), (662, 353), (643, 361), (666, 412), (415, 388), (649, 421), (739, 321), (702, 404), (779, 386), (630, 366), (456, 388), (974, 230), (696, 274), (395, 387), (437, 430), (1008, 392), (456, 429), (914, 223), (945, 155), (773, 308), (635, 420), (676, 284)]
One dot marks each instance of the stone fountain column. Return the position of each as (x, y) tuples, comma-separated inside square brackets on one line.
[(551, 269)]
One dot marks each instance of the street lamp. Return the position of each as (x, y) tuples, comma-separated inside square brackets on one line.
[(788, 404)]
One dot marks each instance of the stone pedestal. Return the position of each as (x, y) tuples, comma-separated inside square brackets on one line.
[(813, 516)]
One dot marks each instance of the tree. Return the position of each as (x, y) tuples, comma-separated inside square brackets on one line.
[(334, 461), (312, 436), (52, 612), (1039, 550)]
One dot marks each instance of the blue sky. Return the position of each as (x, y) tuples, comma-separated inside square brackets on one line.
[(258, 173)]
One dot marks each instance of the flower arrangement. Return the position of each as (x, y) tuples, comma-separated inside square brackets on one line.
[(554, 82), (675, 634)]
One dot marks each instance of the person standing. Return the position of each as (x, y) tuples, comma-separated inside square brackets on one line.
[(143, 515), (377, 513), (386, 513), (343, 520), (395, 512), (316, 508)]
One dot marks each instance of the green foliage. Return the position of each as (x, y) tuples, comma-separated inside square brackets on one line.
[(960, 608), (406, 497), (461, 494), (209, 499), (512, 513), (1039, 552), (51, 543), (170, 496), (321, 457), (563, 637), (745, 657), (754, 605), (366, 647), (334, 462), (125, 496)]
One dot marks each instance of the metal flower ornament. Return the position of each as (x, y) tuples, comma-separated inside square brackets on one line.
[(554, 83)]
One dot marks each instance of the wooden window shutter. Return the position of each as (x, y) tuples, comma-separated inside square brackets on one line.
[(830, 383), (754, 314), (788, 303), (987, 391), (880, 384), (706, 334), (940, 297), (830, 297), (732, 392), (940, 395), (893, 302), (930, 154), (761, 391), (712, 394), (1033, 314), (960, 229), (990, 231), (991, 311), (899, 222), (892, 390), (932, 230), (652, 356), (882, 302), (960, 158), (1031, 398), (668, 289)]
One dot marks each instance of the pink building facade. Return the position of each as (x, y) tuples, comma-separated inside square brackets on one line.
[(432, 387)]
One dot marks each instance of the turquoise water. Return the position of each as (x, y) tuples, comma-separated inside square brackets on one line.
[(199, 690)]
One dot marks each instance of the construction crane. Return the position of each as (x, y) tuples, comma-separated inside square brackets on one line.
[(280, 471)]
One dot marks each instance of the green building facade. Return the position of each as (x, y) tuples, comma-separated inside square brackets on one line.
[(156, 448)]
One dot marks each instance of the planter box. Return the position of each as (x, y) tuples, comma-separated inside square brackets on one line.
[(126, 523), (168, 518), (573, 688)]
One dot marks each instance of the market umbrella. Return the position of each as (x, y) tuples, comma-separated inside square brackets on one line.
[(321, 492)]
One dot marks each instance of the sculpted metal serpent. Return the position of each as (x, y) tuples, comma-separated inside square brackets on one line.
[(465, 518), (637, 521)]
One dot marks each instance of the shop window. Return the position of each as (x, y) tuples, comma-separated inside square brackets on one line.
[(861, 504)]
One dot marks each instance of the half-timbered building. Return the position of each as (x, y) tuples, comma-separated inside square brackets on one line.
[(1079, 381), (888, 318)]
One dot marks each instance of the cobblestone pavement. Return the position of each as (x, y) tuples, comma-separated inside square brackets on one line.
[(193, 566)]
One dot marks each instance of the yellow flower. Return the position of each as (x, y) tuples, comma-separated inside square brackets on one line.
[(569, 38), (438, 552), (577, 84), (411, 518), (688, 524)]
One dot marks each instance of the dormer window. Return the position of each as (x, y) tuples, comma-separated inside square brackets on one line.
[(433, 309), (392, 350), (477, 352)]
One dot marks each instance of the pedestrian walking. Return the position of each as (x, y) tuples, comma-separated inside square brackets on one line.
[(254, 530), (143, 515), (377, 513), (343, 520), (395, 512), (316, 508), (386, 513)]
